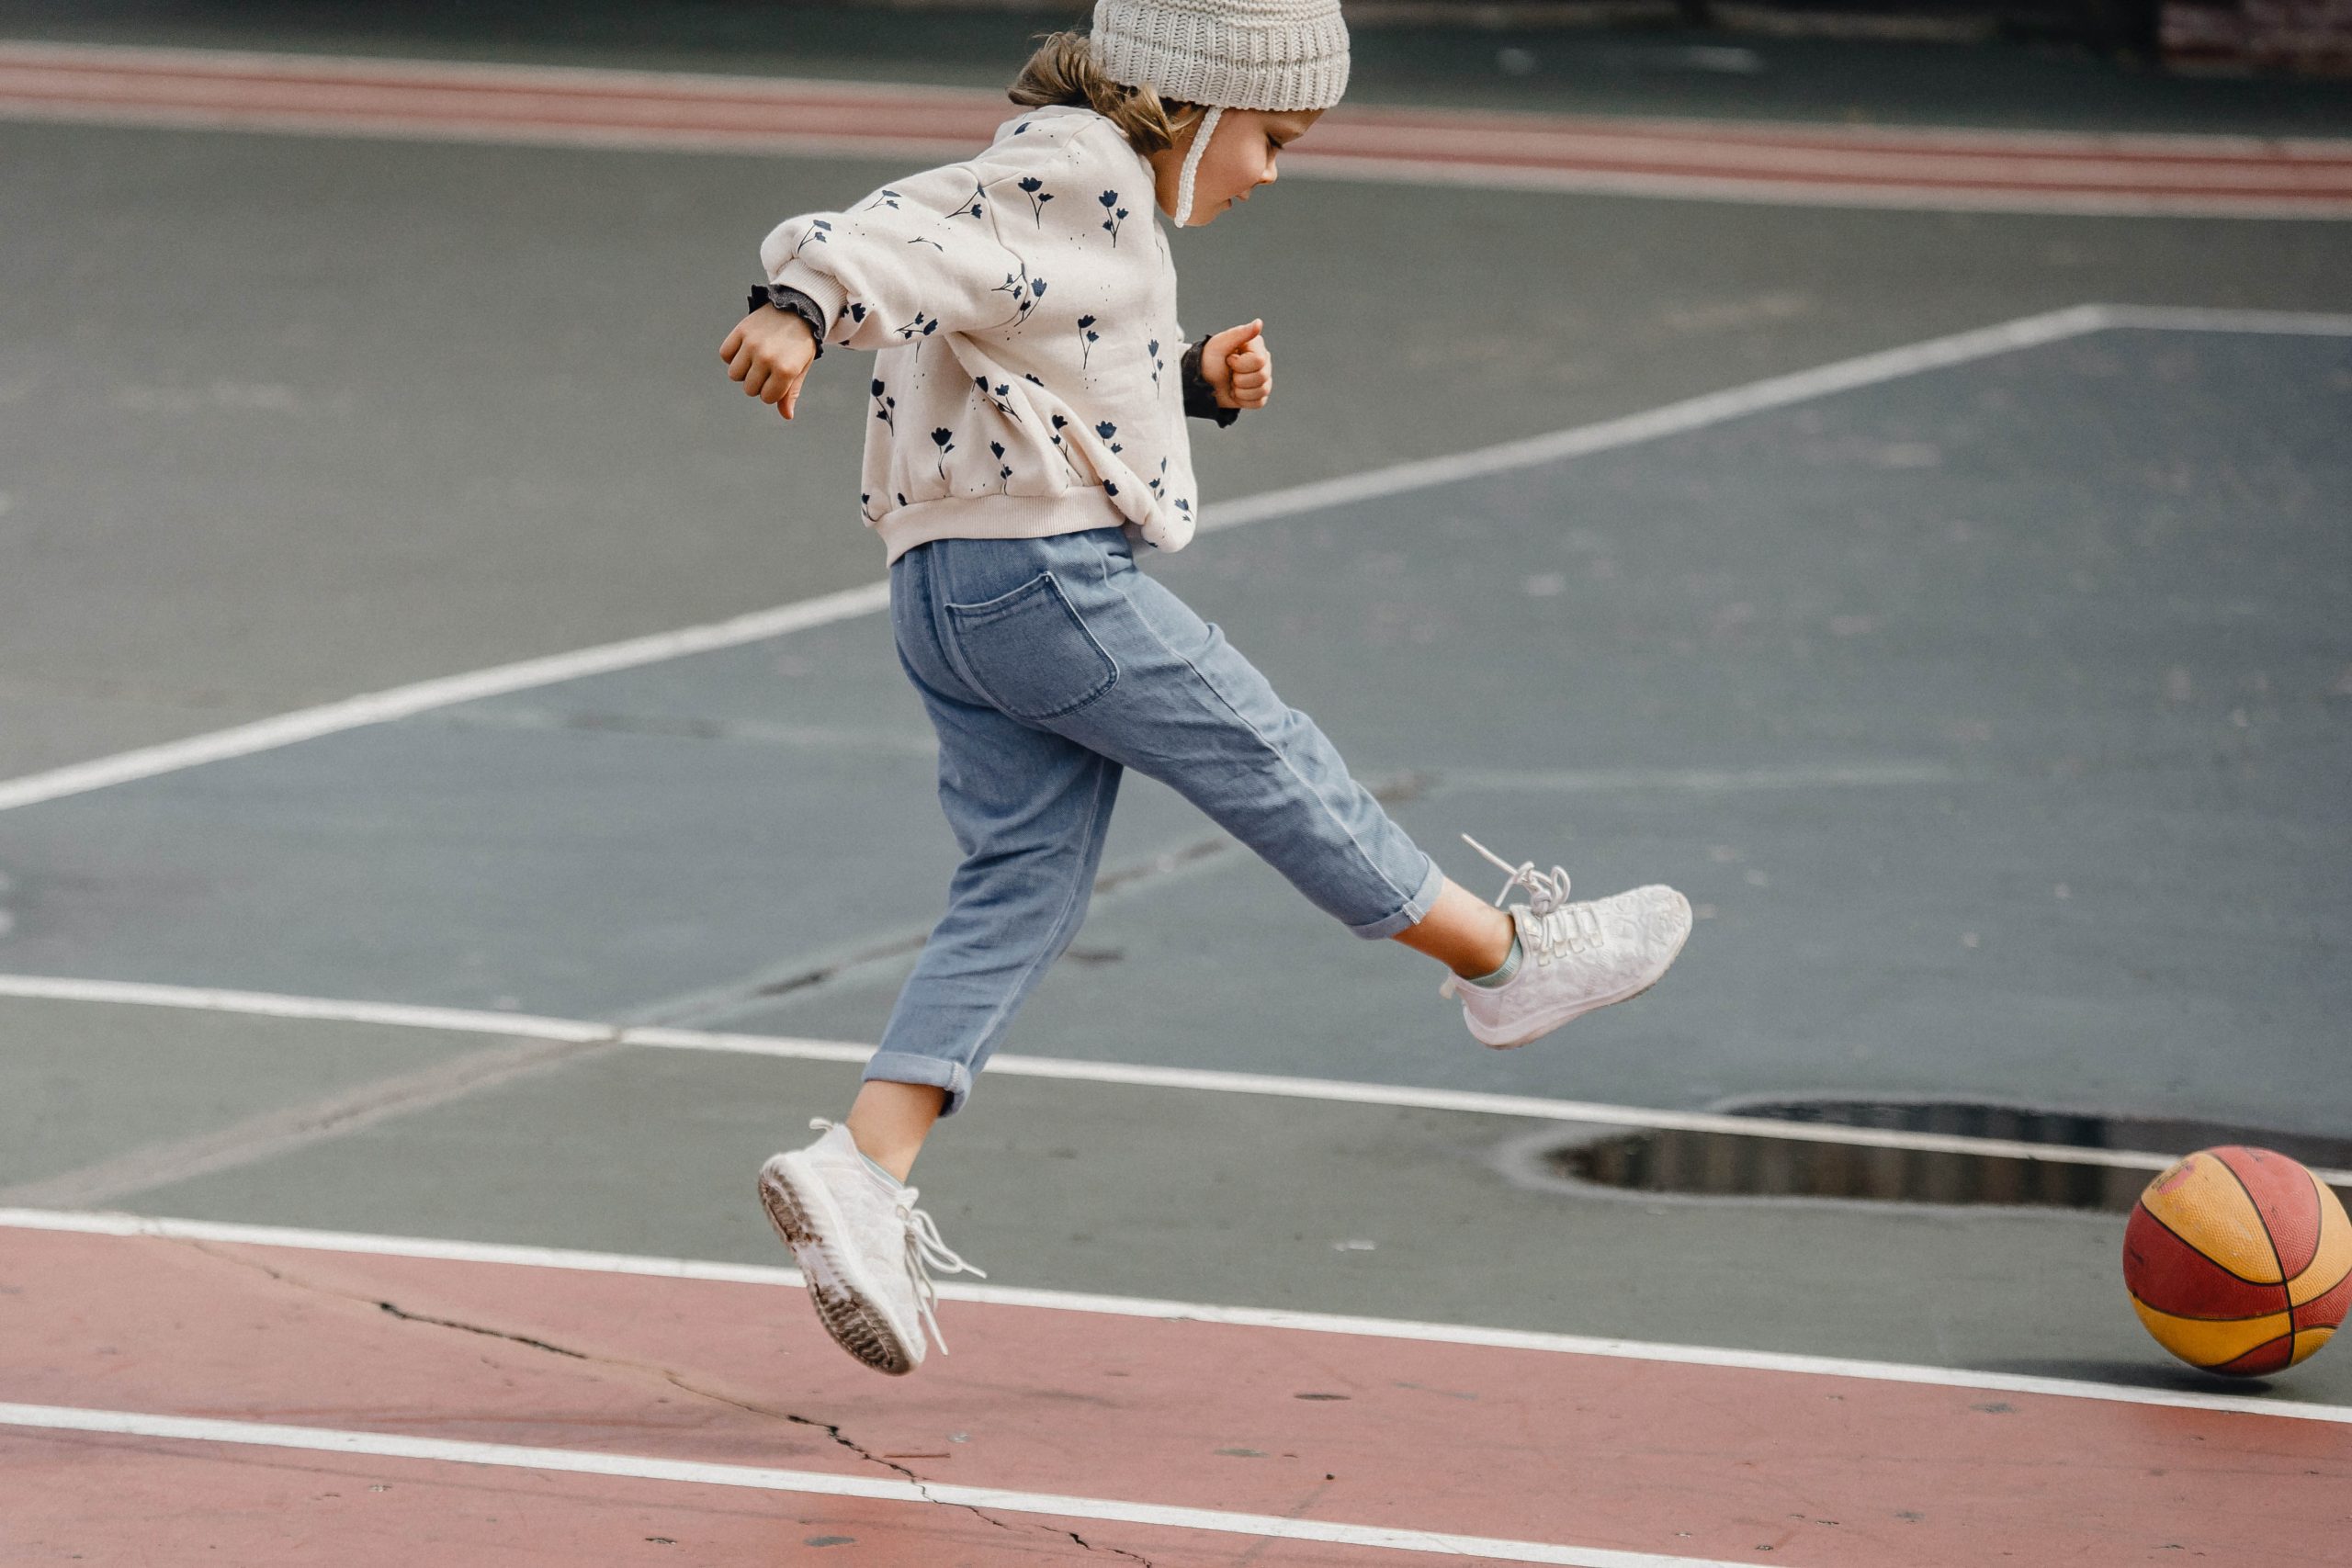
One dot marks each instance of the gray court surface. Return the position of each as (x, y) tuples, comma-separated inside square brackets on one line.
[(397, 410), (1998, 716), (1992, 717)]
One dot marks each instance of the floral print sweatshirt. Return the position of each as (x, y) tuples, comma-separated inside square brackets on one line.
[(1029, 374)]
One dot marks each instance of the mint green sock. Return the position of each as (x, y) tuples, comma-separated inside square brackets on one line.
[(1501, 977), (879, 1169)]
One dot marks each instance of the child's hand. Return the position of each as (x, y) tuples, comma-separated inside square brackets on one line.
[(1238, 367), (770, 351)]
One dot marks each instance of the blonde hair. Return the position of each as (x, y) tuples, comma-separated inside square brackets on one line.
[(1063, 70)]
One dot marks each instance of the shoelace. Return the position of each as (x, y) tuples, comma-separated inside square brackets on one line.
[(1544, 893), (924, 1248), (1554, 926)]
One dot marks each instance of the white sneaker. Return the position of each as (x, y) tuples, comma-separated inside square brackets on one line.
[(863, 1246), (1572, 957)]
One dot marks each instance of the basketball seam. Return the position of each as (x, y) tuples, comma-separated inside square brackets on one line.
[(2287, 1339), (2294, 1314), (2193, 1317), (2275, 1261), (2295, 1309), (2280, 1284), (2322, 1192)]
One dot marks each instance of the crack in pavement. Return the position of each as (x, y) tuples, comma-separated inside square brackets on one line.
[(625, 1364), (407, 1316)]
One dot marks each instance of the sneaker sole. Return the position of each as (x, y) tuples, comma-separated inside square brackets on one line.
[(803, 1219), (1553, 1021)]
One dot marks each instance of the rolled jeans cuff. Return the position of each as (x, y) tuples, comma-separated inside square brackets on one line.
[(1414, 911), (901, 1066)]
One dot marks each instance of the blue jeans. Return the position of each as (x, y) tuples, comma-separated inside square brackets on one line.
[(1049, 666)]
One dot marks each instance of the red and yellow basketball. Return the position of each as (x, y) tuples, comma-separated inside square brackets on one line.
[(2239, 1260)]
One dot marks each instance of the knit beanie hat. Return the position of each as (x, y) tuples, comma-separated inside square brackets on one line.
[(1242, 54), (1238, 54)]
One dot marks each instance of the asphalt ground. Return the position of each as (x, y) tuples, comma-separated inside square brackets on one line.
[(295, 418), (1998, 713), (2008, 781)]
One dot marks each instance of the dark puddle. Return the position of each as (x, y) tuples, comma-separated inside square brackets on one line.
[(1727, 1164)]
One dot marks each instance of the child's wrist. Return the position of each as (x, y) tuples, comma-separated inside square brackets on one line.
[(793, 303)]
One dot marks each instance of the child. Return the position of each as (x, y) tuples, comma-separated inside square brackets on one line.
[(1029, 394)]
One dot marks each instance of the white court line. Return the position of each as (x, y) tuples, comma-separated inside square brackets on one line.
[(1798, 191), (1330, 164), (506, 1456), (232, 1235), (399, 702), (2189, 319), (850, 92), (264, 1004), (1694, 413), (1698, 781), (1674, 419), (1812, 165)]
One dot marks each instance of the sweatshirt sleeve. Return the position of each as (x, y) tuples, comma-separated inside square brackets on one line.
[(915, 258)]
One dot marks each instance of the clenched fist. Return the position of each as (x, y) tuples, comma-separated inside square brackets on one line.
[(770, 351), (1238, 367)]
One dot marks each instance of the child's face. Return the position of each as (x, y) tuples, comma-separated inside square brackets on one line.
[(1239, 159)]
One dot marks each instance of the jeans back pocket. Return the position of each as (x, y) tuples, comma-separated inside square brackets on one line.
[(1029, 653)]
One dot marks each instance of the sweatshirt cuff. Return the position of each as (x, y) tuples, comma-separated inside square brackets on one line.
[(830, 295), (1200, 399)]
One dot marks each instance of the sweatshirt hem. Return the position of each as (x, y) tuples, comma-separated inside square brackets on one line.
[(997, 517)]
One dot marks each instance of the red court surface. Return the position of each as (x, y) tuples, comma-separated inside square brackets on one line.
[(1872, 165), (1544, 1456)]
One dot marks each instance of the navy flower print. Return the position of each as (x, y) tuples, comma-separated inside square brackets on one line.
[(976, 204), (1087, 338), (886, 407), (1034, 188), (818, 232), (996, 397), (1115, 215), (856, 312), (1060, 425), (1161, 480), (871, 517), (944, 439), (921, 327), (1004, 469), (934, 244), (1157, 364), (886, 196), (1023, 290), (1107, 430)]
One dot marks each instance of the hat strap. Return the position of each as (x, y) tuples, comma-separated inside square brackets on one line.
[(1193, 162)]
